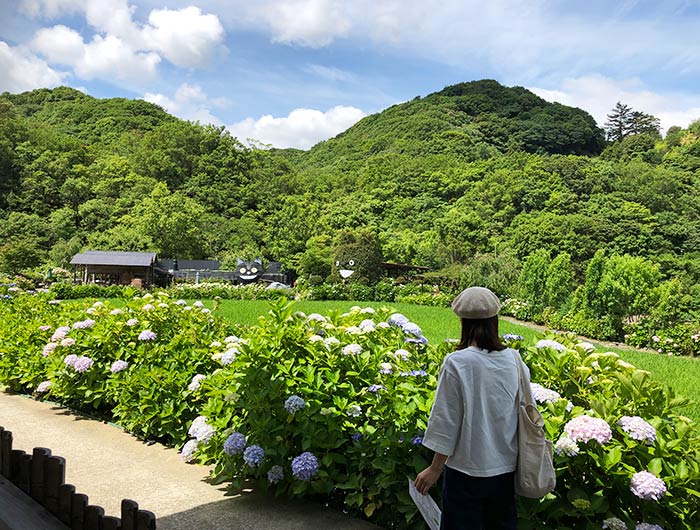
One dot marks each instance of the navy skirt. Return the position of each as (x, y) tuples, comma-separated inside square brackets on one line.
[(477, 503)]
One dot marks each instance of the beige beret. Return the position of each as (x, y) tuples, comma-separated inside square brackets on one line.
[(476, 302)]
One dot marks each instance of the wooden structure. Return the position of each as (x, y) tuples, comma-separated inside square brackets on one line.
[(108, 267), (34, 496)]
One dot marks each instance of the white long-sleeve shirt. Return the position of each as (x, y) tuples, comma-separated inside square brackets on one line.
[(474, 417)]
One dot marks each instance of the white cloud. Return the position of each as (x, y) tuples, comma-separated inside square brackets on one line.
[(21, 70), (598, 94), (329, 72), (302, 129), (312, 23), (122, 49), (103, 58), (185, 37), (189, 102)]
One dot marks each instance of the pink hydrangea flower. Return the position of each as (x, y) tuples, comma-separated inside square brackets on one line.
[(585, 428), (647, 486), (638, 429)]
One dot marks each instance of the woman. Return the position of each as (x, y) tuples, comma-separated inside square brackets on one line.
[(473, 423)]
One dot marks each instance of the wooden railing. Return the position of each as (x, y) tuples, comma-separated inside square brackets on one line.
[(41, 476)]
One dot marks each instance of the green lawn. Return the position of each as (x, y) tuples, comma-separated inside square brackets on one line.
[(438, 323)]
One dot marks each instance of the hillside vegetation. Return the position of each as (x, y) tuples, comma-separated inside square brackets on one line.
[(470, 181)]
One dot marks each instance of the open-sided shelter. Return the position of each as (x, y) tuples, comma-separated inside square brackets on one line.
[(110, 267)]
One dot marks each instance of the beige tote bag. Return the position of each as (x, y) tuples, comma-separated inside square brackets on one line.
[(534, 476)]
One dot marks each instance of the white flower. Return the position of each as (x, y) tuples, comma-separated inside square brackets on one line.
[(383, 325), (188, 450), (215, 344), (566, 446), (586, 346), (315, 338), (181, 302), (163, 305), (315, 317), (354, 330), (116, 312), (367, 325), (148, 307), (91, 310), (196, 382), (354, 411), (544, 395), (198, 303), (352, 349), (206, 310), (546, 343), (402, 354), (331, 341), (368, 310)]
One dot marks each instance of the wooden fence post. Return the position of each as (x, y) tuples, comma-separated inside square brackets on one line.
[(65, 496), (37, 479), (78, 505), (6, 453), (55, 475), (145, 520), (93, 517), (129, 514)]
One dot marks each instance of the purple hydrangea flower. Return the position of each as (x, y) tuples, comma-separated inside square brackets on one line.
[(60, 333), (82, 364), (118, 366), (411, 328), (385, 368), (147, 335), (375, 388), (416, 340), (305, 466), (585, 428), (638, 429), (512, 336), (253, 455), (67, 342), (234, 444), (44, 386), (84, 324), (275, 474), (44, 328), (647, 486), (69, 360), (49, 349), (132, 322), (356, 437), (419, 373), (294, 404), (188, 450), (544, 395)]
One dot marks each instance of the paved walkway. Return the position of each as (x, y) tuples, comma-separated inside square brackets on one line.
[(108, 464)]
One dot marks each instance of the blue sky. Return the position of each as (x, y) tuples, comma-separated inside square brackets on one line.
[(291, 73)]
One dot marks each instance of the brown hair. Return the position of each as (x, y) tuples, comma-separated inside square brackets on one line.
[(483, 332)]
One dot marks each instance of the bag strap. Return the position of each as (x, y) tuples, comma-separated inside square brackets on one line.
[(524, 390)]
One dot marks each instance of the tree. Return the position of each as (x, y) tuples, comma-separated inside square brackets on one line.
[(617, 126), (623, 121)]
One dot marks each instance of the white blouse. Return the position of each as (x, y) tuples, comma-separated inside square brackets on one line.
[(474, 417)]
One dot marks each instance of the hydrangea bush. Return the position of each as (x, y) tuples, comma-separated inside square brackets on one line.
[(334, 406)]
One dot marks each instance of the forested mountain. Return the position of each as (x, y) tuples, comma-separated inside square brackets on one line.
[(472, 170)]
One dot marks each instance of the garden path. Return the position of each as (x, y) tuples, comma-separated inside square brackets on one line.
[(107, 464)]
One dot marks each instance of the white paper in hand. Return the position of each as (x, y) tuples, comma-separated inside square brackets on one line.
[(426, 506)]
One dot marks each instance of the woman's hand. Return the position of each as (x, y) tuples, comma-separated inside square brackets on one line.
[(426, 479)]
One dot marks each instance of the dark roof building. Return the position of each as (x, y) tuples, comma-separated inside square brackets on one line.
[(110, 267)]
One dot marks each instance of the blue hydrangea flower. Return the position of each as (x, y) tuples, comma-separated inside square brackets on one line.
[(305, 466), (512, 336), (398, 320), (356, 437), (417, 439), (411, 328), (253, 455), (294, 404), (375, 388), (275, 474), (234, 444)]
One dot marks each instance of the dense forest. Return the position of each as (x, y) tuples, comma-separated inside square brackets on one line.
[(474, 174)]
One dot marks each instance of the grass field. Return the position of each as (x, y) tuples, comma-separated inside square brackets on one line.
[(438, 323)]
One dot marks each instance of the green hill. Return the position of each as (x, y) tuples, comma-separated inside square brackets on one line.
[(471, 120)]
